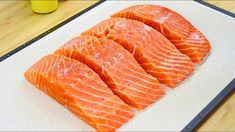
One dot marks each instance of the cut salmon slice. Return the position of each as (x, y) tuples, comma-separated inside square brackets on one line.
[(175, 27), (156, 54), (81, 90), (117, 67)]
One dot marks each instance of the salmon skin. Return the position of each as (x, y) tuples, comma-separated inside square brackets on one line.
[(81, 90), (117, 67), (175, 27), (155, 53)]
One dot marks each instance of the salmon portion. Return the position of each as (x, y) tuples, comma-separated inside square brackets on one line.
[(155, 53), (81, 90), (117, 67), (175, 27)]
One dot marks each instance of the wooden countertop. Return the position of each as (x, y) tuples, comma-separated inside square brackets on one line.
[(18, 24)]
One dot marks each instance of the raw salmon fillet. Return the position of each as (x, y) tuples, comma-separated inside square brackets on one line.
[(156, 54), (81, 90), (175, 27), (117, 67)]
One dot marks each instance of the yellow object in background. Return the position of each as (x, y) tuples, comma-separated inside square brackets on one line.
[(44, 6)]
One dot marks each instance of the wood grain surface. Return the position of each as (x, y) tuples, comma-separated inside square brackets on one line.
[(18, 24)]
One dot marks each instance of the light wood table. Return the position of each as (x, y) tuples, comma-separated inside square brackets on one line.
[(18, 24)]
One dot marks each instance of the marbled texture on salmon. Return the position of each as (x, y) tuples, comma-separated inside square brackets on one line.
[(155, 53), (118, 64), (117, 67), (175, 27), (81, 90)]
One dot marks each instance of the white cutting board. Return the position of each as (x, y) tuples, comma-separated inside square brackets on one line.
[(23, 107)]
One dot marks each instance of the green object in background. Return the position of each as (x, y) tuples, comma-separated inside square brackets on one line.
[(44, 6)]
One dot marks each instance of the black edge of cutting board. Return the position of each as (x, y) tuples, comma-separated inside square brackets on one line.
[(216, 8), (192, 125), (211, 107)]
